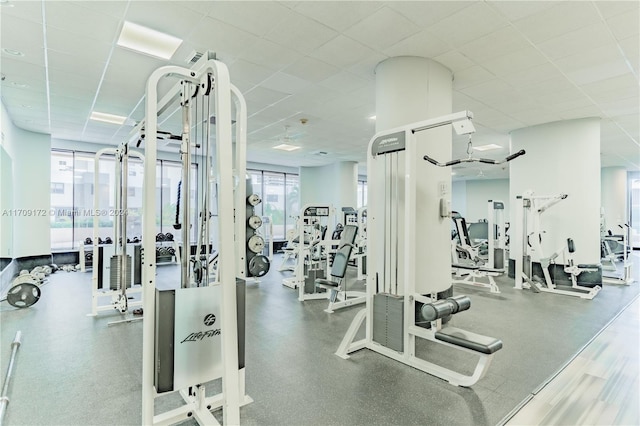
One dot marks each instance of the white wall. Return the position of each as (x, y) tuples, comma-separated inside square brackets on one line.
[(335, 184), (470, 197), (6, 186), (31, 182), (614, 197), (562, 157)]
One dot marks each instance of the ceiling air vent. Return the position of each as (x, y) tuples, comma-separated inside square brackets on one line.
[(320, 153), (193, 58)]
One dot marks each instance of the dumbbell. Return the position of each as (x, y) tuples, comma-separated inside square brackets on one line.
[(160, 236), (88, 241), (171, 251), (168, 236), (108, 240), (88, 256), (100, 240)]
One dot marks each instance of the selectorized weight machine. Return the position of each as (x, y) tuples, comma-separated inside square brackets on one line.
[(194, 333), (313, 244), (116, 275), (527, 249), (617, 274), (406, 196)]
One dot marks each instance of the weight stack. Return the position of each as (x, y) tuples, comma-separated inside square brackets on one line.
[(114, 275), (388, 321)]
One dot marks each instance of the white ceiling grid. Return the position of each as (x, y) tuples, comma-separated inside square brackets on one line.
[(515, 64)]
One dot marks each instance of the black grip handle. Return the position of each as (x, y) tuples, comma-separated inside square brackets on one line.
[(516, 155), (431, 160), (452, 163), (487, 161)]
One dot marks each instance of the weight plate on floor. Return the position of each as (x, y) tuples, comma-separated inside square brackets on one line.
[(23, 295), (259, 266)]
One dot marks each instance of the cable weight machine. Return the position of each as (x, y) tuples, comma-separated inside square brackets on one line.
[(194, 333)]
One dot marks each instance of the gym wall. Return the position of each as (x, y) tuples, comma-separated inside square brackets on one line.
[(470, 197), (6, 189), (335, 184)]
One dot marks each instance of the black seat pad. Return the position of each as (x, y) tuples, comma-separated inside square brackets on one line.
[(326, 283), (466, 339)]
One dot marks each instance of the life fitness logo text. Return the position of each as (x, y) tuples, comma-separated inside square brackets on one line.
[(209, 320)]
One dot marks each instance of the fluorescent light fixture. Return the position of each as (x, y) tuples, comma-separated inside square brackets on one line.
[(150, 42), (108, 118), (286, 147), (487, 147)]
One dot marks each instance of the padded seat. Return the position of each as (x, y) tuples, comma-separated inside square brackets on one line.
[(466, 339), (589, 266), (328, 284)]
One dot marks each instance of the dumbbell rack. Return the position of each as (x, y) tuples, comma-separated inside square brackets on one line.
[(168, 258)]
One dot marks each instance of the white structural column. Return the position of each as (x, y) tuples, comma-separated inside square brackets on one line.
[(408, 90), (614, 197), (562, 157)]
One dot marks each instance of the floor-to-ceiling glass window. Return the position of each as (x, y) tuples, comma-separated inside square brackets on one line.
[(293, 201), (61, 199), (362, 193), (280, 194)]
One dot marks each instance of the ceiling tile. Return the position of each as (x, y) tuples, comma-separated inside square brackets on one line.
[(300, 33), (468, 24), (516, 61), (471, 76), (256, 17), (114, 8), (86, 22), (564, 17), (249, 72), (580, 40), (372, 31), (534, 75), (342, 52), (426, 13), (286, 83), (69, 43), (454, 60), (311, 69), (265, 96), (166, 16), (19, 73), (612, 7), (589, 58), (366, 67), (423, 44), (27, 10), (270, 55), (339, 15), (344, 82), (627, 106), (612, 89), (599, 72), (498, 43), (584, 112), (75, 64), (23, 36), (219, 36), (625, 25), (514, 10)]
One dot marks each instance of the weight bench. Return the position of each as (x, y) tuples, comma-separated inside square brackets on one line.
[(471, 272)]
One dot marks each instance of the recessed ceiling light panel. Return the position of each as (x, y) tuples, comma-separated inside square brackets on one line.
[(487, 147), (108, 118), (286, 147), (147, 41)]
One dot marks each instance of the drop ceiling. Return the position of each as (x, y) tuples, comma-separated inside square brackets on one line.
[(515, 64)]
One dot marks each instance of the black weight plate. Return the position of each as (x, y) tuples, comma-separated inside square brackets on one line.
[(23, 295), (259, 266)]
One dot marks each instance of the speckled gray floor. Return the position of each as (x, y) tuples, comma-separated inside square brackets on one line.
[(75, 370)]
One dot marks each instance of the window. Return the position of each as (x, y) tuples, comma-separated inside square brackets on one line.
[(280, 199), (57, 188), (362, 193), (72, 220), (61, 201)]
